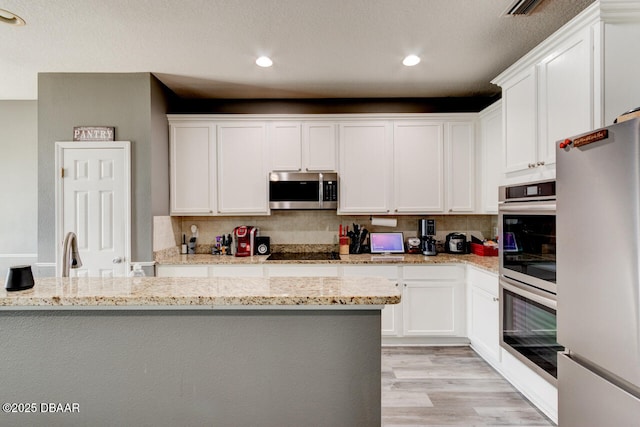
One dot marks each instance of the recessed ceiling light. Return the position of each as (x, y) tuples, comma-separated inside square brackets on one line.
[(10, 18), (264, 61), (411, 60)]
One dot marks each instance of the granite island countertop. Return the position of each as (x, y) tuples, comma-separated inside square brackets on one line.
[(489, 264), (203, 293)]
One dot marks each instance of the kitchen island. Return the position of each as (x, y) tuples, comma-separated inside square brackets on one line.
[(193, 351)]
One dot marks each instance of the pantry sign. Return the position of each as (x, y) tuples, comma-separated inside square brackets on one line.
[(94, 133)]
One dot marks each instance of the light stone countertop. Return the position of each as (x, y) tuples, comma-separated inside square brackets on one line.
[(203, 293), (489, 264)]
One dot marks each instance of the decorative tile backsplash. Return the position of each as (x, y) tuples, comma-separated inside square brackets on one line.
[(310, 227)]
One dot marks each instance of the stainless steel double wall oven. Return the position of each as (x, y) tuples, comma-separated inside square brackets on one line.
[(527, 230)]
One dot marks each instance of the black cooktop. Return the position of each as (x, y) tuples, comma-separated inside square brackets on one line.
[(303, 256)]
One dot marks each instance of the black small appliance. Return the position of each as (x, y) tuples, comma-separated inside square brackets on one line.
[(426, 231), (456, 243)]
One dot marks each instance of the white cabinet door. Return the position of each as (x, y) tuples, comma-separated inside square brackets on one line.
[(491, 151), (519, 115), (319, 146), (433, 301), (483, 315), (461, 159), (565, 106), (365, 167), (242, 169), (392, 313), (433, 308), (285, 145), (192, 168), (418, 167)]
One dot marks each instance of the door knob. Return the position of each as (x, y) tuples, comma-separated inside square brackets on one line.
[(117, 260)]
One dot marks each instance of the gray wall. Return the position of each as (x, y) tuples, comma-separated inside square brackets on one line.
[(159, 148), (124, 101), (18, 183)]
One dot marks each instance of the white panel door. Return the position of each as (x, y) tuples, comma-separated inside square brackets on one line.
[(433, 308), (519, 120), (565, 106), (242, 168), (93, 202), (319, 146), (193, 168), (461, 167), (285, 146), (418, 165), (365, 167)]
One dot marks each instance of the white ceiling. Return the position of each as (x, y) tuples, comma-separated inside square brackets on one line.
[(320, 48)]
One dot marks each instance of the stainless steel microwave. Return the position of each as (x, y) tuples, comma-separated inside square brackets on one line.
[(303, 190)]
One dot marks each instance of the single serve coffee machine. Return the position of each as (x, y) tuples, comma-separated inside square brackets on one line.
[(426, 231), (244, 238)]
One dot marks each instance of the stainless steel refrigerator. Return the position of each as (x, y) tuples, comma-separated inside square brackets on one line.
[(598, 277)]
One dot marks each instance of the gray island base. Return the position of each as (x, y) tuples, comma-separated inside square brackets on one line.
[(265, 365)]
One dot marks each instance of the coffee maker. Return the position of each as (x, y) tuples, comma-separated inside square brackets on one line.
[(244, 239), (426, 231)]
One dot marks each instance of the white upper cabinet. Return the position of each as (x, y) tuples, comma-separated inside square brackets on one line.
[(242, 168), (489, 161), (418, 165), (285, 143), (577, 80), (365, 167), (519, 121), (302, 146), (400, 164), (192, 168), (319, 146), (564, 98), (461, 190)]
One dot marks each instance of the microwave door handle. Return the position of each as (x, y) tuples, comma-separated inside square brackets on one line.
[(529, 207)]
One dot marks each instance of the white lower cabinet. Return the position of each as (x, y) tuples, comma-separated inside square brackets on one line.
[(483, 314), (236, 271), (433, 301), (391, 314), (182, 271), (309, 270)]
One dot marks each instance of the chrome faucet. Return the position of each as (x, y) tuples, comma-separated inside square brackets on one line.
[(70, 254)]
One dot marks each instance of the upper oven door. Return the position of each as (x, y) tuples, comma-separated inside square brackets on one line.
[(528, 242)]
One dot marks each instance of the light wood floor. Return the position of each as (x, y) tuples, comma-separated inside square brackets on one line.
[(449, 386)]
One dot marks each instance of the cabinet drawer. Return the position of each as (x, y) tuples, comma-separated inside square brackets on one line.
[(387, 271), (302, 271), (183, 271), (237, 271), (433, 272)]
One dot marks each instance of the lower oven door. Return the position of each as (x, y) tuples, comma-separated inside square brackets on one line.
[(528, 327)]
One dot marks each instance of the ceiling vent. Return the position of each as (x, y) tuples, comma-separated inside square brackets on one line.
[(521, 7)]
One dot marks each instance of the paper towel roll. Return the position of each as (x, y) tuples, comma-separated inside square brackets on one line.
[(384, 222)]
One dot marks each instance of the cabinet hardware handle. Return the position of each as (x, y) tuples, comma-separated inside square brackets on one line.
[(531, 165), (117, 260), (540, 163), (396, 285), (496, 299)]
